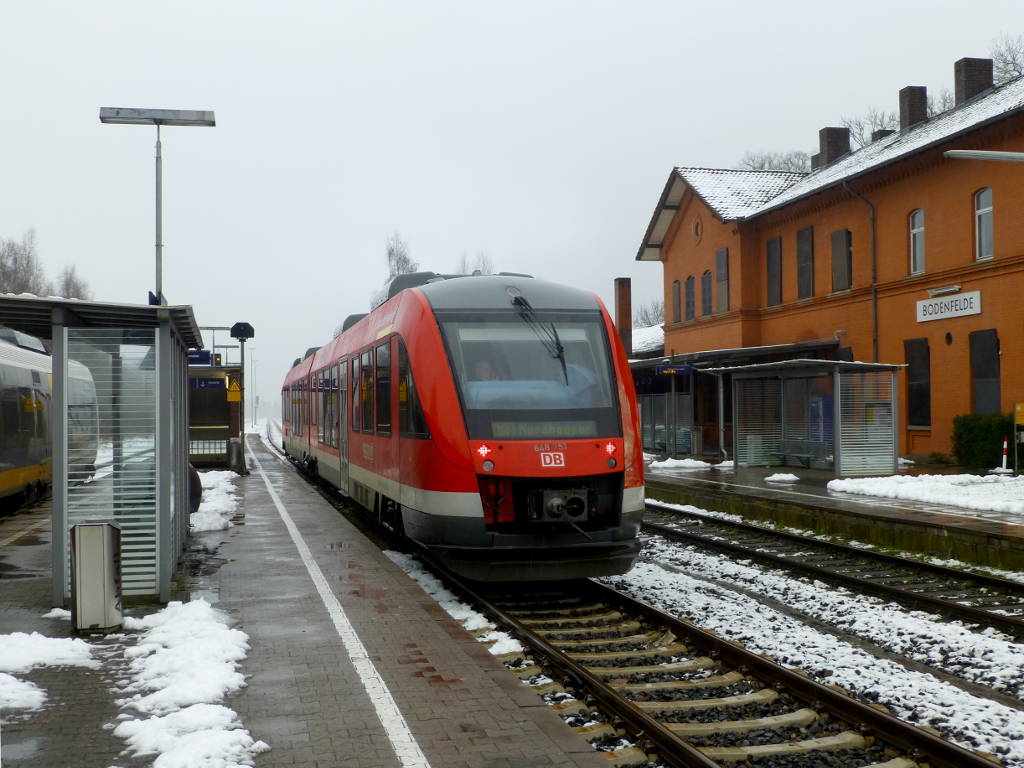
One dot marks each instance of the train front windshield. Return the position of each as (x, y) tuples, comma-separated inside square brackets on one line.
[(545, 377)]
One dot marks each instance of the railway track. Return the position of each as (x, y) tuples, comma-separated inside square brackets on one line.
[(685, 696), (690, 698), (973, 598)]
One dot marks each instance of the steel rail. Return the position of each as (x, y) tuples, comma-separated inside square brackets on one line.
[(1009, 624), (935, 750)]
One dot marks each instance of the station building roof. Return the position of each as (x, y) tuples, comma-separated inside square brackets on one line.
[(741, 195)]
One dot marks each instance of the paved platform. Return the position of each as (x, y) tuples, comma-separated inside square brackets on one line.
[(307, 693), (993, 539)]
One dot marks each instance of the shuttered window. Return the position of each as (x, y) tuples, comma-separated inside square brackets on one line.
[(805, 263), (722, 280), (690, 301), (774, 266), (919, 382), (842, 260), (985, 391)]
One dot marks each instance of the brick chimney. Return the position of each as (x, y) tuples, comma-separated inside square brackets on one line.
[(971, 77), (815, 161), (833, 143), (913, 105), (881, 133), (624, 313)]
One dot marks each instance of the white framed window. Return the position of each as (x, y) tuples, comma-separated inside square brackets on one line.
[(916, 225), (983, 224)]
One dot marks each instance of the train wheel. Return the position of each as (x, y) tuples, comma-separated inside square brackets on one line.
[(30, 495)]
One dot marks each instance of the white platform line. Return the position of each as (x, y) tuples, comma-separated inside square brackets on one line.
[(407, 750)]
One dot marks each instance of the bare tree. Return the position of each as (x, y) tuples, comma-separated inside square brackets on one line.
[(20, 269), (776, 161), (71, 286), (480, 264), (399, 261), (873, 120), (1007, 58), (652, 313), (941, 103)]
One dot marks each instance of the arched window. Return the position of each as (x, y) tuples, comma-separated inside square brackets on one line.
[(916, 225), (983, 224), (705, 294), (675, 301), (689, 298)]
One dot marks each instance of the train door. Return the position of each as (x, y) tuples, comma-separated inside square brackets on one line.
[(342, 400)]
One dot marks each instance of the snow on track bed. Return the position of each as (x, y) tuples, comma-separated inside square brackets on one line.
[(971, 721), (987, 601)]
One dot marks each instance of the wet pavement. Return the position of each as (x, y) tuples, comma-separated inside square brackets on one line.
[(304, 695)]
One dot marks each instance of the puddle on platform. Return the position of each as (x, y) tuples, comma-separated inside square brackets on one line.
[(21, 750)]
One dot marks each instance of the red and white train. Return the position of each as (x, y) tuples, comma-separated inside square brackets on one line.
[(492, 419)]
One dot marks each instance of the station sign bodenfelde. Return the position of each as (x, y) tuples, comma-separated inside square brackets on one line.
[(959, 305)]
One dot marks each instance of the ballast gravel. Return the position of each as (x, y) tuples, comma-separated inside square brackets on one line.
[(972, 721), (987, 657)]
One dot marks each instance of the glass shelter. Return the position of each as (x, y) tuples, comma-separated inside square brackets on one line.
[(822, 414), (119, 429)]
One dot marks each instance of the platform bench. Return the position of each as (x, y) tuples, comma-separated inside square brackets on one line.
[(802, 450)]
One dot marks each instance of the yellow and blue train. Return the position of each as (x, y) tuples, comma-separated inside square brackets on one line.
[(25, 413)]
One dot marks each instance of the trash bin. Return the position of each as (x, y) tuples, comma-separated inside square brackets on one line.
[(96, 576), (236, 459)]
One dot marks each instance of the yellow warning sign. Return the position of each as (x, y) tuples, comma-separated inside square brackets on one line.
[(1018, 411), (234, 392)]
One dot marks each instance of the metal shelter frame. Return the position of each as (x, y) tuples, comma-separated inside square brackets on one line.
[(154, 478), (821, 414)]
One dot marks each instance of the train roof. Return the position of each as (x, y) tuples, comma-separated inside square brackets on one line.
[(494, 291)]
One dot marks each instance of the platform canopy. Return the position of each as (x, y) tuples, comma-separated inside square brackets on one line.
[(118, 425), (821, 414)]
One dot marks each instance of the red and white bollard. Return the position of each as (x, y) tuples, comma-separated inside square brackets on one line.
[(1005, 440)]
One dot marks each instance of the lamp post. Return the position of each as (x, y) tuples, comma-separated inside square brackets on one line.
[(157, 117)]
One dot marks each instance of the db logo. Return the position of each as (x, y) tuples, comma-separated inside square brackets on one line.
[(552, 459)]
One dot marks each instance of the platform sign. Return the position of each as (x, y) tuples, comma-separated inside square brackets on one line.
[(234, 392), (674, 370), (211, 383), (199, 357), (960, 305)]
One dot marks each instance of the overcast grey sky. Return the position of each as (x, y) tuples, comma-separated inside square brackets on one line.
[(539, 133)]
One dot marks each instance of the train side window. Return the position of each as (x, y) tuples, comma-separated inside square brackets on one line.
[(410, 414), (337, 375), (366, 391), (383, 387), (355, 394)]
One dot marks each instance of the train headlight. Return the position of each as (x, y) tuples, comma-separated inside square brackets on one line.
[(488, 466)]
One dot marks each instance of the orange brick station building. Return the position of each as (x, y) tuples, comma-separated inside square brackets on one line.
[(892, 253)]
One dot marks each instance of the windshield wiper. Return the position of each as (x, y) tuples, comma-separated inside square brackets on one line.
[(548, 334)]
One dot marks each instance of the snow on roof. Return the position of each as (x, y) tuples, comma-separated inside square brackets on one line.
[(648, 339), (735, 194), (746, 194)]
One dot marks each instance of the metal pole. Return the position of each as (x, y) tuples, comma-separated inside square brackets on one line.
[(159, 220), (241, 415)]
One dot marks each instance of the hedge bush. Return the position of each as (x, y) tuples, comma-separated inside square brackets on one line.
[(978, 439)]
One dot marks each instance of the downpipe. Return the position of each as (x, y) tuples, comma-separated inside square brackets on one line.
[(874, 270)]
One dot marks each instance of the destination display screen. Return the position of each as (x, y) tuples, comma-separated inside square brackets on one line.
[(530, 430)]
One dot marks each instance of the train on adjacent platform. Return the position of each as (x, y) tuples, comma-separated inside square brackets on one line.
[(25, 441), (489, 418)]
